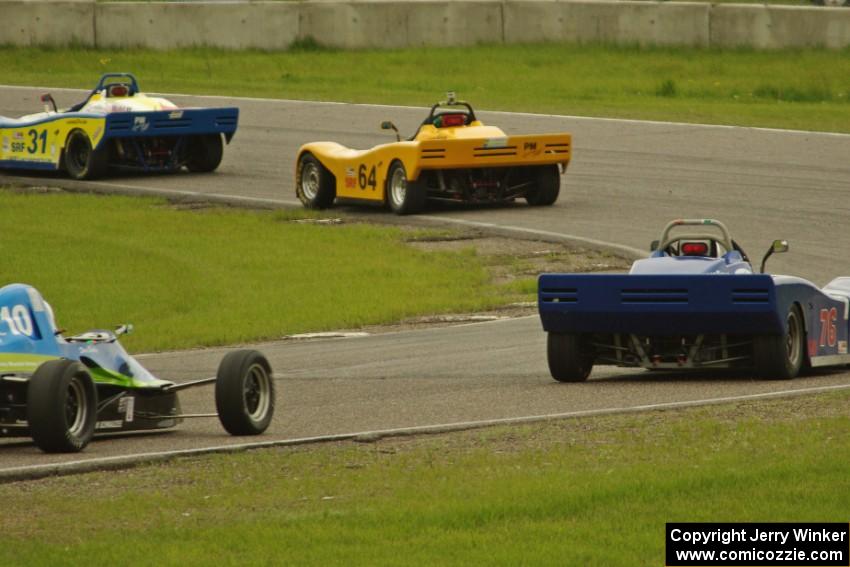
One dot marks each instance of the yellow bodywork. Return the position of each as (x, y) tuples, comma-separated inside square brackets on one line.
[(362, 174), (40, 142), (38, 139)]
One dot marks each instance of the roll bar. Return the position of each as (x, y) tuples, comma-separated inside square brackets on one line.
[(666, 238)]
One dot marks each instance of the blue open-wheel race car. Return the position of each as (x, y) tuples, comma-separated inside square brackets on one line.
[(117, 127), (695, 302), (62, 390)]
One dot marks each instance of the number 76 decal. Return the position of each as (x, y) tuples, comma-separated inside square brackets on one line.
[(827, 326)]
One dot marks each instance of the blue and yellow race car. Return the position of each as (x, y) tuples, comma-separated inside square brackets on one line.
[(117, 127), (695, 302), (62, 390)]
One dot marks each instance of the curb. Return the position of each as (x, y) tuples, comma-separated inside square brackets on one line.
[(35, 472)]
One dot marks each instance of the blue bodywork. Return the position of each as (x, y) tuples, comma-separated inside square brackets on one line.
[(666, 301), (27, 328)]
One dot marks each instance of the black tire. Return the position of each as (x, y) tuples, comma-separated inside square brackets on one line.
[(547, 186), (61, 406), (780, 357), (570, 360), (403, 196), (81, 160), (315, 185), (244, 393), (204, 153)]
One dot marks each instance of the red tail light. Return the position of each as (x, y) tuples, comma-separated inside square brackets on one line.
[(447, 120), (118, 90), (694, 249)]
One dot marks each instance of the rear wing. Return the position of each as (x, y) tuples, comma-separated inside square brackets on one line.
[(179, 122), (659, 305), (488, 152)]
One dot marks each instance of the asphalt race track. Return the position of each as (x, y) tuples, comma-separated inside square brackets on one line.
[(626, 180)]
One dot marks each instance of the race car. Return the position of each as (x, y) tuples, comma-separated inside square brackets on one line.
[(62, 390), (116, 127), (695, 302), (452, 156)]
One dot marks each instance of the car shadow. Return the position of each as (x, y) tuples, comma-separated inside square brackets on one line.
[(707, 376)]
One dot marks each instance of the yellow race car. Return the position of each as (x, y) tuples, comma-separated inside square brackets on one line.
[(452, 156)]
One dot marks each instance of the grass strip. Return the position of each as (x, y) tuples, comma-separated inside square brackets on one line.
[(802, 88), (217, 276), (588, 491)]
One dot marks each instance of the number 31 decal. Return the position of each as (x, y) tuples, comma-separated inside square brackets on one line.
[(35, 137), (18, 320)]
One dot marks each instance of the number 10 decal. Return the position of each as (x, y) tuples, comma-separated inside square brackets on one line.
[(18, 320), (827, 326)]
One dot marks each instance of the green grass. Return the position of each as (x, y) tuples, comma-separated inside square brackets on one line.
[(218, 276), (804, 89), (590, 491)]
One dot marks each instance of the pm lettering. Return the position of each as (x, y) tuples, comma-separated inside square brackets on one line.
[(828, 333), (529, 146)]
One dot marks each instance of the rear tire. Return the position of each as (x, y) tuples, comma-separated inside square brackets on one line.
[(315, 186), (780, 357), (81, 160), (547, 186), (61, 406), (244, 393), (204, 153), (570, 359), (404, 197)]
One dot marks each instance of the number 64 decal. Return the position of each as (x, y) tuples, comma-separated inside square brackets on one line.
[(18, 320), (363, 181), (827, 326)]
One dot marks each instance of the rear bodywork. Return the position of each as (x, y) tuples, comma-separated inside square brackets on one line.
[(139, 132), (689, 321)]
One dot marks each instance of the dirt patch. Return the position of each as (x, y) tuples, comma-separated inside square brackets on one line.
[(510, 258)]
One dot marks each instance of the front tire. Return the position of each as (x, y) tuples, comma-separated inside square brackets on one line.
[(780, 357), (204, 153), (570, 359), (81, 160), (404, 197), (316, 186), (61, 406), (245, 393), (547, 186)]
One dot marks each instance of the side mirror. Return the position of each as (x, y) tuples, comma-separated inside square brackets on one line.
[(387, 125), (654, 245), (45, 98), (778, 247)]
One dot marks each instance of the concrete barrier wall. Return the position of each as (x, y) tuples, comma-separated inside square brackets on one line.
[(771, 27), (411, 23), (667, 23), (161, 25), (401, 24), (46, 23)]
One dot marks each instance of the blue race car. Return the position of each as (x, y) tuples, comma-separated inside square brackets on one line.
[(61, 390), (116, 127), (695, 302)]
